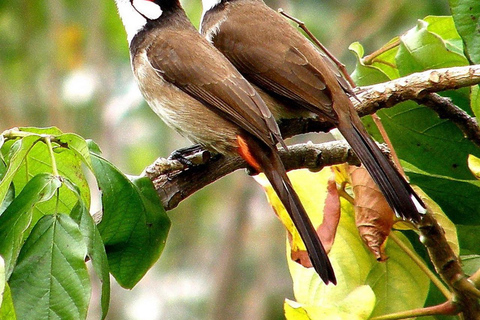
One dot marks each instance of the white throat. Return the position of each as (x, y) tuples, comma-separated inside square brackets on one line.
[(135, 18), (207, 5)]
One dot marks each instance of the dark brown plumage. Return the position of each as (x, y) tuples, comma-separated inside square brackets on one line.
[(197, 91), (277, 58)]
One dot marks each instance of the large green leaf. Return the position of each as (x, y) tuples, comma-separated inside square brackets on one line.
[(399, 284), (95, 247), (458, 198), (69, 165), (435, 147), (30, 155), (78, 145), (468, 239), (134, 224), (421, 49), (17, 217), (315, 300), (7, 310), (14, 154), (2, 279), (466, 14), (358, 305), (51, 280)]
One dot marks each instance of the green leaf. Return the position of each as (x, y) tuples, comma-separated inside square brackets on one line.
[(15, 156), (134, 225), (420, 49), (2, 279), (51, 280), (470, 264), (363, 74), (466, 14), (54, 131), (347, 250), (7, 310), (444, 27), (357, 305), (69, 165), (95, 246), (458, 198), (78, 145), (399, 284), (17, 217), (475, 100), (8, 198), (468, 239)]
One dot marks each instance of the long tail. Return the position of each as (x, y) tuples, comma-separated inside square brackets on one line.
[(268, 161), (400, 196)]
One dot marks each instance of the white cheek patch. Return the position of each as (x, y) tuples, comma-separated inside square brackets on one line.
[(209, 4), (148, 8)]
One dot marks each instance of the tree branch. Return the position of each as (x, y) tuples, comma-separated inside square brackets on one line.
[(174, 182), (419, 87)]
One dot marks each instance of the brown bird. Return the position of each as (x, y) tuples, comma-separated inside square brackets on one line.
[(198, 92), (297, 78)]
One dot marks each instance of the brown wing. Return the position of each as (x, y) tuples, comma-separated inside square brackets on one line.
[(207, 75), (289, 66)]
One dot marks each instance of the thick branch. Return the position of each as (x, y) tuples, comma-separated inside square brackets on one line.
[(418, 87), (445, 109), (174, 184)]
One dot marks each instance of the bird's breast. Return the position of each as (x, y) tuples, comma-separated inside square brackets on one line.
[(182, 112)]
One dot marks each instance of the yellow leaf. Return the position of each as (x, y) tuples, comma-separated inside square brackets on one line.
[(474, 165), (312, 190), (358, 305)]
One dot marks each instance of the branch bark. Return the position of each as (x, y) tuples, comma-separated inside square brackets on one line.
[(174, 182)]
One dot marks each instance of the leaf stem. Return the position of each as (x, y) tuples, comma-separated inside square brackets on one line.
[(439, 284), (369, 59), (48, 141), (446, 308), (15, 133), (302, 26), (386, 138)]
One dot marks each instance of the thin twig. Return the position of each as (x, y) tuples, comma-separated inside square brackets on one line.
[(369, 59), (386, 138), (302, 25)]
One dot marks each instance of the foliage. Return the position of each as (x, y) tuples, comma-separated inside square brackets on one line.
[(437, 158), (47, 231), (47, 235)]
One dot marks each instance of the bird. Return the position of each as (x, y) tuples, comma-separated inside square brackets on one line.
[(295, 77), (195, 90)]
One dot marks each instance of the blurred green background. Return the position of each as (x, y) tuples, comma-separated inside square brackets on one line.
[(65, 63)]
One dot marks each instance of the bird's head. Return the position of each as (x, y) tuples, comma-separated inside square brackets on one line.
[(135, 14)]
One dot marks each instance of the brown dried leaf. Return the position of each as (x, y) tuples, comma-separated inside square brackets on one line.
[(373, 216), (327, 229), (331, 216)]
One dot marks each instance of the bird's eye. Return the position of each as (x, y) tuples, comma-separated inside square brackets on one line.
[(147, 8)]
